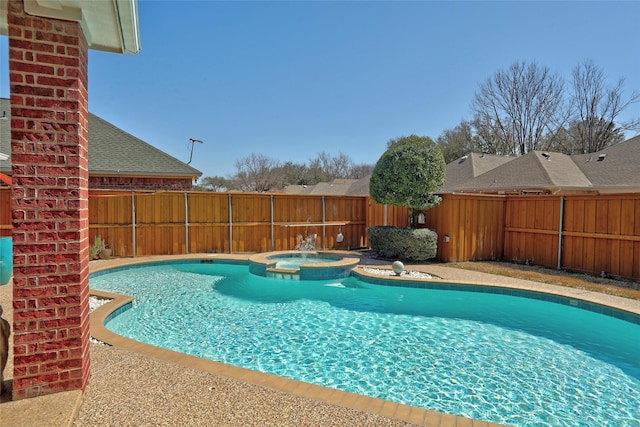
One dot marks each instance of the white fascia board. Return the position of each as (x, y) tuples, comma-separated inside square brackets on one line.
[(108, 25)]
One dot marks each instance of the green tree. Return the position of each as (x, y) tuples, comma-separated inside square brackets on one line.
[(295, 174), (360, 171), (213, 183), (459, 141), (331, 166), (408, 174)]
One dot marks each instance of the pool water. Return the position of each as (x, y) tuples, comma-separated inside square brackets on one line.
[(294, 262), (492, 357)]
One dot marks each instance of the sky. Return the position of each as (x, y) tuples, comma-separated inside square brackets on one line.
[(292, 79)]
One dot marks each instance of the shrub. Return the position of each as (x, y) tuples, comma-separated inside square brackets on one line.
[(409, 174), (406, 244)]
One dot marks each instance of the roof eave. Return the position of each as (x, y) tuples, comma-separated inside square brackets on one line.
[(556, 190), (103, 173), (7, 171), (108, 25)]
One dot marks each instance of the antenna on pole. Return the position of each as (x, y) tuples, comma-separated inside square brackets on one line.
[(193, 141)]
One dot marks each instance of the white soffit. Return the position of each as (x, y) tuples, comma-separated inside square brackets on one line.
[(109, 25)]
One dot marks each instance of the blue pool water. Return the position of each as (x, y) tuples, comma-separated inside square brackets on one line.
[(499, 358), (293, 262)]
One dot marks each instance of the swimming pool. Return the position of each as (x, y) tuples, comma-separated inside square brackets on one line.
[(500, 358)]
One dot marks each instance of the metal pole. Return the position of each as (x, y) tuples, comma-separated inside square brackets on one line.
[(560, 233), (133, 223), (186, 223), (230, 226)]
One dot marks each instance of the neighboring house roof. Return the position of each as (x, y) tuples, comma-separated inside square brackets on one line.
[(360, 187), (337, 187), (533, 171), (613, 169), (294, 189), (467, 167), (112, 152), (614, 166)]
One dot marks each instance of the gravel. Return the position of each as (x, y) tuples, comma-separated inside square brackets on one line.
[(95, 302), (385, 272)]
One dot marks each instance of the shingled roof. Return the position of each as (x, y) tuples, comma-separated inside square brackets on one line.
[(337, 187), (464, 169), (613, 169), (533, 171), (112, 152), (615, 166)]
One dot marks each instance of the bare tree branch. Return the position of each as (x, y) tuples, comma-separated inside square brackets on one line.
[(513, 109), (259, 173), (596, 109)]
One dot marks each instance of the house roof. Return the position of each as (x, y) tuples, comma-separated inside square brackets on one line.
[(467, 167), (337, 187), (532, 171), (615, 168), (360, 187), (112, 152), (617, 165)]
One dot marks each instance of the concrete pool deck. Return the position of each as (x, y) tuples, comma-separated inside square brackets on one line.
[(134, 384)]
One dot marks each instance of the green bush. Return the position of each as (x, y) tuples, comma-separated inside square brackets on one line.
[(406, 244), (409, 174)]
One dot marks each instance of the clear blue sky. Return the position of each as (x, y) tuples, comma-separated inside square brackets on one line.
[(292, 79)]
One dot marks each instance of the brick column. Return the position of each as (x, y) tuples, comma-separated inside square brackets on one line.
[(49, 119)]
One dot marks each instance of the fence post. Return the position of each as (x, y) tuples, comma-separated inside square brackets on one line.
[(133, 223), (560, 233), (230, 225), (324, 246), (272, 231), (186, 224)]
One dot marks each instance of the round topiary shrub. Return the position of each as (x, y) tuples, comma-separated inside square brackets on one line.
[(406, 244)]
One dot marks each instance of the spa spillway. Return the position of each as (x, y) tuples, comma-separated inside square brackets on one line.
[(296, 265)]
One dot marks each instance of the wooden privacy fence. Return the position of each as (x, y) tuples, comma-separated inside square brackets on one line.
[(587, 233), (598, 234), (152, 223), (386, 215), (143, 223), (469, 227), (592, 233)]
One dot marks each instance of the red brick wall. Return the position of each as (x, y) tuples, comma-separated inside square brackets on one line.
[(132, 183), (48, 85)]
